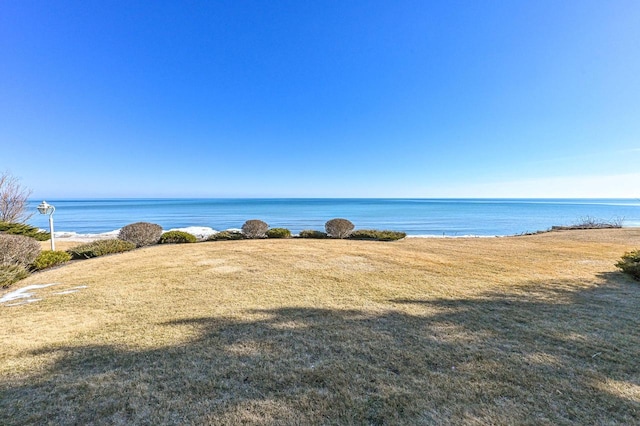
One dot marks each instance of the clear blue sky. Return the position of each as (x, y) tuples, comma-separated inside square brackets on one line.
[(321, 99)]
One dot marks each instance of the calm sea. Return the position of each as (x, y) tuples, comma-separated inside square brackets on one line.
[(432, 217)]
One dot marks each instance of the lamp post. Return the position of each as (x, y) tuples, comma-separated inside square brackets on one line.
[(46, 208)]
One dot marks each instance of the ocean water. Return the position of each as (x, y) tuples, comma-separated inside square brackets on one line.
[(417, 217)]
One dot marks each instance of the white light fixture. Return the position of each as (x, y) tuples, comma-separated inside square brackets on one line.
[(46, 208)]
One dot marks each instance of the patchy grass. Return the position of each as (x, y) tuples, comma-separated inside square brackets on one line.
[(523, 330)]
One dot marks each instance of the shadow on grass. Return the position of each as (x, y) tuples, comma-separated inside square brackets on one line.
[(557, 356)]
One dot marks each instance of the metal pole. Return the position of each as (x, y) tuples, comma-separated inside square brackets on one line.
[(53, 240)]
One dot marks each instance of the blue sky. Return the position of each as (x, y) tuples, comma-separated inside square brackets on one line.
[(321, 99)]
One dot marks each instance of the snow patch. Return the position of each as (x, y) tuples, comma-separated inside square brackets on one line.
[(72, 290), (25, 295), (74, 236), (22, 293)]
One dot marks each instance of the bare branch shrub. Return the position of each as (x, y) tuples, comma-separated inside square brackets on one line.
[(255, 228), (18, 250), (339, 228), (590, 222), (13, 199), (141, 233)]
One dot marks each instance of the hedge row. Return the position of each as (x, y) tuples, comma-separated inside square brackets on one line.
[(20, 252)]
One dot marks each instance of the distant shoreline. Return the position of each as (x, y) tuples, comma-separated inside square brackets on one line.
[(203, 232), (416, 217), (73, 236)]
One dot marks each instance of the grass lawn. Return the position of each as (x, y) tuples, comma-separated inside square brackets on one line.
[(536, 329)]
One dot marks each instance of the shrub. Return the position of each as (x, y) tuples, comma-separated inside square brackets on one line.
[(100, 248), (589, 222), (374, 234), (9, 274), (630, 263), (24, 229), (338, 228), (226, 235), (311, 233), (141, 233), (14, 199), (278, 233), (255, 228), (177, 237), (48, 258), (17, 250)]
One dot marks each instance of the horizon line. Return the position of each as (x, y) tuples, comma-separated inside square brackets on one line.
[(332, 198)]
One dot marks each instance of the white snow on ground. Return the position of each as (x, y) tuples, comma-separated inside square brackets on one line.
[(25, 295), (72, 290), (22, 293), (200, 232), (74, 236)]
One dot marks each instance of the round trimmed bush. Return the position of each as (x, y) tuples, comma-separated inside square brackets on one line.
[(630, 263), (141, 233), (177, 237), (278, 233), (18, 250), (312, 233), (339, 228), (48, 258), (255, 228)]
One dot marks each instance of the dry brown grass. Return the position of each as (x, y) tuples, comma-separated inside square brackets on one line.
[(524, 330), (61, 244)]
